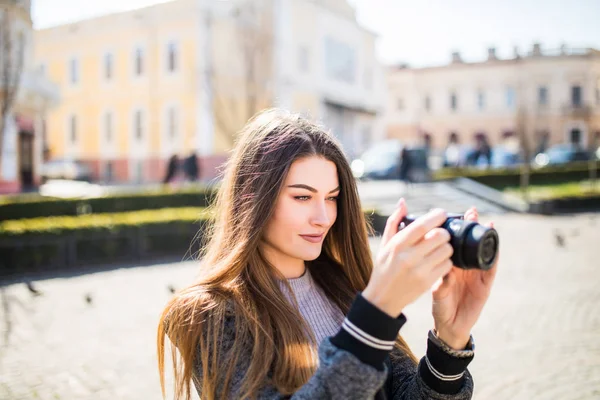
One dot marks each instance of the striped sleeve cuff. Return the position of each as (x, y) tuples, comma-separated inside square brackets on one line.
[(368, 333), (443, 369)]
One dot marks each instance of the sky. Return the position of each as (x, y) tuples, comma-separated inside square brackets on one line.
[(421, 32)]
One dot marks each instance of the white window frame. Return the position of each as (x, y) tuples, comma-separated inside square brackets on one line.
[(546, 103), (512, 104), (112, 66), (73, 126), (74, 66), (177, 58), (134, 62), (481, 100), (172, 144)]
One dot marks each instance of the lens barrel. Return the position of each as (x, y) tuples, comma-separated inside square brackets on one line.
[(475, 246)]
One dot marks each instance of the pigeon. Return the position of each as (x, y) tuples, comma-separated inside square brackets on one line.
[(32, 289), (560, 240), (88, 298)]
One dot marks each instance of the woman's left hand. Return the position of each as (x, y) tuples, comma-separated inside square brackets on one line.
[(459, 298)]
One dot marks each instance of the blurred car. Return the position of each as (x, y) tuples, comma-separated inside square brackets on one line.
[(503, 157), (561, 154), (65, 169), (381, 162)]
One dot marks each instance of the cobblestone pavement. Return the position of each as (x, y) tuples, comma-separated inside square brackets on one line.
[(538, 338)]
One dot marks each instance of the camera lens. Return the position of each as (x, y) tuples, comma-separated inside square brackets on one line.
[(488, 249), (480, 247)]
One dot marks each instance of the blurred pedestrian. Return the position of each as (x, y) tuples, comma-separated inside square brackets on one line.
[(405, 167), (190, 167), (172, 169), (290, 303)]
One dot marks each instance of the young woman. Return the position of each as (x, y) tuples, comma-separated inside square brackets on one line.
[(289, 304)]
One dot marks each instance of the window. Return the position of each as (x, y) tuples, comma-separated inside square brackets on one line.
[(138, 127), (139, 62), (543, 96), (73, 71), (510, 97), (340, 61), (303, 59), (172, 122), (172, 54), (576, 96), (428, 103), (108, 66), (575, 137), (480, 100), (108, 127), (73, 128), (453, 102)]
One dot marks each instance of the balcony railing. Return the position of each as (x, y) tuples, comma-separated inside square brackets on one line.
[(577, 110)]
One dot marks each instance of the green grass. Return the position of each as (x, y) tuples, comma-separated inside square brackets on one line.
[(559, 190)]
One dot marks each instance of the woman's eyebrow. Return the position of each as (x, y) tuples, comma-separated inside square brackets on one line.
[(312, 189)]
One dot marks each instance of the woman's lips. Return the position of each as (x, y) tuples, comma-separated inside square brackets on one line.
[(312, 238)]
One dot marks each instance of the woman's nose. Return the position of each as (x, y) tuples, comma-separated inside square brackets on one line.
[(320, 214)]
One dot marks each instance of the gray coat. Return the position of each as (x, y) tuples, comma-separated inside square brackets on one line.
[(347, 372)]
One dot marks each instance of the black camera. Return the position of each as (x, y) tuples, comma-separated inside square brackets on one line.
[(475, 246)]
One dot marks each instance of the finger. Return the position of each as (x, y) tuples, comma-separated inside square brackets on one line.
[(432, 240), (391, 225), (416, 231), (472, 214), (441, 255)]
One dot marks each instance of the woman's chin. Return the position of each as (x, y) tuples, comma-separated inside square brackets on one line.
[(311, 255)]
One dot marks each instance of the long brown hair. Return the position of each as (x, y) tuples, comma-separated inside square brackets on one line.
[(236, 279)]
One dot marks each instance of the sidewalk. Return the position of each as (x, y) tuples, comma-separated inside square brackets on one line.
[(537, 338)]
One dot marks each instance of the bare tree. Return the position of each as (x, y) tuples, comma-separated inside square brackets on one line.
[(241, 76), (11, 66), (526, 152)]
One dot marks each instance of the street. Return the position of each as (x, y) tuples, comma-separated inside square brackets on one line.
[(93, 336)]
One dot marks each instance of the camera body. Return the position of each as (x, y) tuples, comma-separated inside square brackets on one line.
[(475, 246)]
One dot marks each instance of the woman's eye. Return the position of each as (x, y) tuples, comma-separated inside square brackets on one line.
[(302, 198), (333, 198)]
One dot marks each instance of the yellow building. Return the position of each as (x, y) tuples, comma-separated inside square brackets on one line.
[(140, 86)]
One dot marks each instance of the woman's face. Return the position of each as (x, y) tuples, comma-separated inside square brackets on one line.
[(305, 210)]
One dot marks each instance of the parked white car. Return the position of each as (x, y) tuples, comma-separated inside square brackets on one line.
[(65, 169)]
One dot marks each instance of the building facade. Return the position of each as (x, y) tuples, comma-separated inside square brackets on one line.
[(184, 76), (27, 96), (554, 95)]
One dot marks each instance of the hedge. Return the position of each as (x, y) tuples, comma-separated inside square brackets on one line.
[(63, 243), (59, 244), (503, 178), (34, 206)]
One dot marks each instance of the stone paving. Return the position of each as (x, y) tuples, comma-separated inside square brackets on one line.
[(93, 336)]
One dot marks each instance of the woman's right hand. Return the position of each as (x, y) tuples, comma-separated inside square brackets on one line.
[(409, 261)]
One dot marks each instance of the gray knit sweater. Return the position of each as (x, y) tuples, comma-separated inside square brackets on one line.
[(354, 356)]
